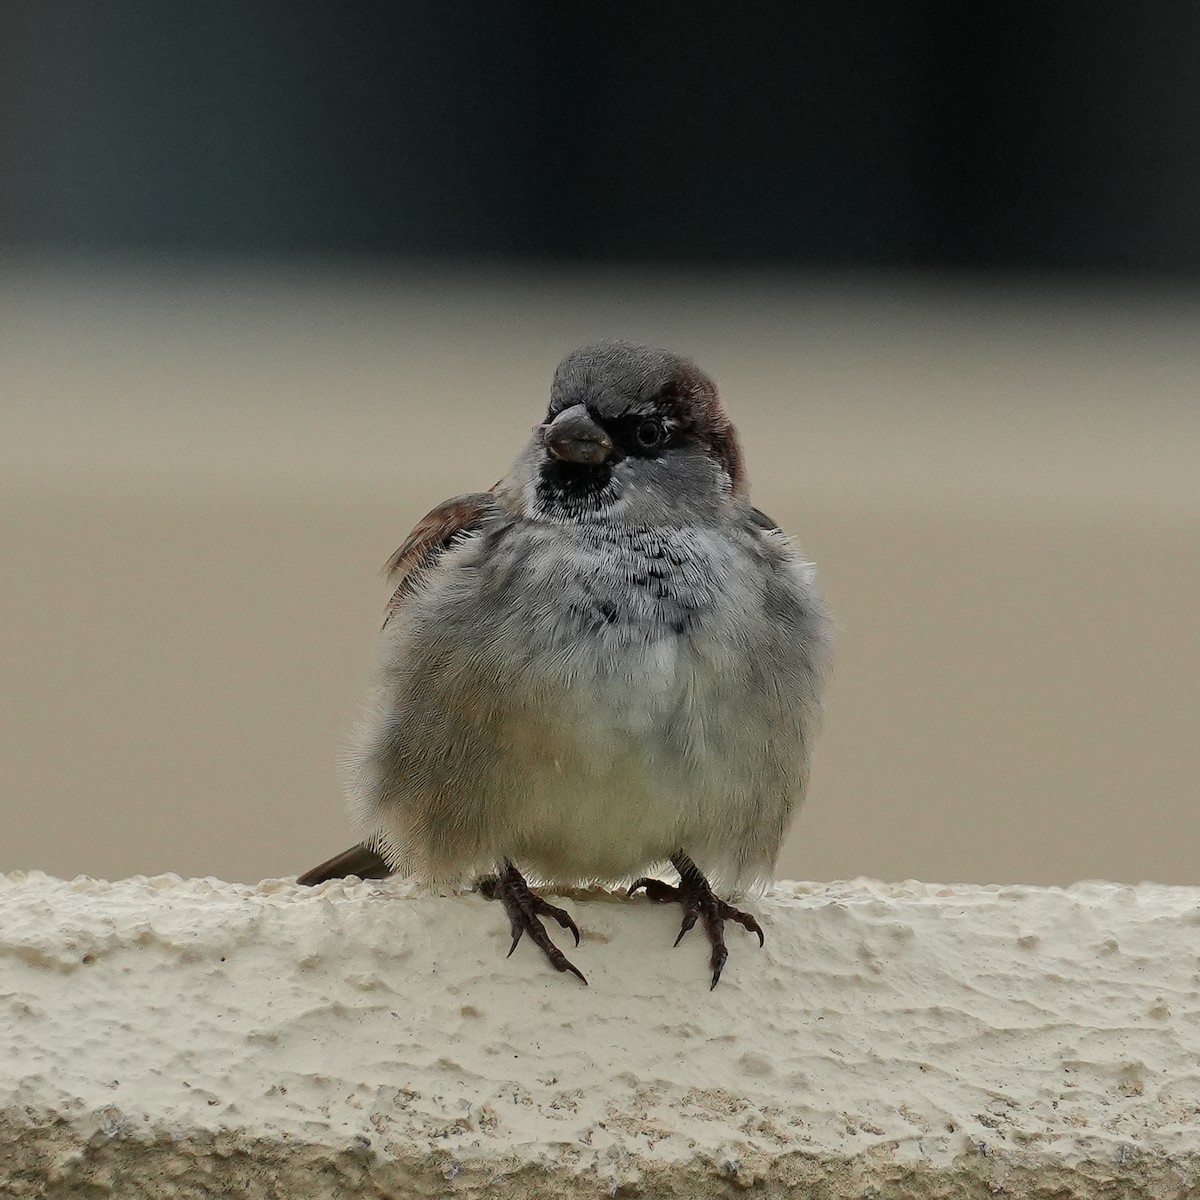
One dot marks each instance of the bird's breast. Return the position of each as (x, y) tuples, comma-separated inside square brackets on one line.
[(592, 699), (637, 632), (616, 600)]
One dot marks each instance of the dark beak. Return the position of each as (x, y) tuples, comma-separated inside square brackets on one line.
[(575, 438)]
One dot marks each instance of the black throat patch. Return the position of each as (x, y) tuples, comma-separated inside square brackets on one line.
[(572, 489)]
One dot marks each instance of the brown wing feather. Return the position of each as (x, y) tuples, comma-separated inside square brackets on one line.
[(431, 537)]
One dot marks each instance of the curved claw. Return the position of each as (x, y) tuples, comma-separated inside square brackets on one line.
[(656, 890), (754, 927), (697, 899), (689, 919), (717, 962), (563, 918), (568, 965), (744, 919), (558, 960), (523, 909)]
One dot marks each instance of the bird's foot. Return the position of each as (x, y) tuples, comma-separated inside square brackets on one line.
[(524, 908), (699, 902)]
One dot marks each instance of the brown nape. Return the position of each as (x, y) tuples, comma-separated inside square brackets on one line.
[(699, 403), (725, 446), (358, 860)]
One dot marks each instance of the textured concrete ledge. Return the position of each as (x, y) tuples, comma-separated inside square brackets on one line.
[(179, 1038)]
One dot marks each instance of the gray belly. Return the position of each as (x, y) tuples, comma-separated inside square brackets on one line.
[(602, 706)]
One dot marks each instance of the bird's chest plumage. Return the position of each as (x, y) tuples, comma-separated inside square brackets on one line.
[(635, 625), (617, 652), (590, 698), (641, 653)]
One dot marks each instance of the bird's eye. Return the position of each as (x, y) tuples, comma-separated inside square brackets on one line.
[(650, 433)]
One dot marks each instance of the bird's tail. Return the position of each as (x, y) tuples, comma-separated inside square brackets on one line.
[(358, 860)]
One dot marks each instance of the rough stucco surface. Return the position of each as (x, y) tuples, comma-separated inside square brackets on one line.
[(177, 1038)]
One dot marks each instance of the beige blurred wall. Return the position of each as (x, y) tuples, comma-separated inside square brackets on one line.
[(200, 474)]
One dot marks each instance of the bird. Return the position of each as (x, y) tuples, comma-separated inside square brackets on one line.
[(609, 661)]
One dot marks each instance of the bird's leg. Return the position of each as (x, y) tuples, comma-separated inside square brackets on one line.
[(698, 902), (524, 908)]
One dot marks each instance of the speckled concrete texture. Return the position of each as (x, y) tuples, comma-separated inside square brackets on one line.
[(190, 1038)]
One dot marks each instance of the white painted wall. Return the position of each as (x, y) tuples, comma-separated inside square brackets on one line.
[(171, 1037)]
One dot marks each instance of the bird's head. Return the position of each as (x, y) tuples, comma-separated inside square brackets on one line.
[(631, 432)]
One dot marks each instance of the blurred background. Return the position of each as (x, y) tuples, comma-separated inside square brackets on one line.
[(276, 279)]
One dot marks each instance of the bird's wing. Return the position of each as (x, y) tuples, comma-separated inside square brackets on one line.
[(431, 537)]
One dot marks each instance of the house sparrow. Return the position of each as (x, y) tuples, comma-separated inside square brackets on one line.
[(608, 661)]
